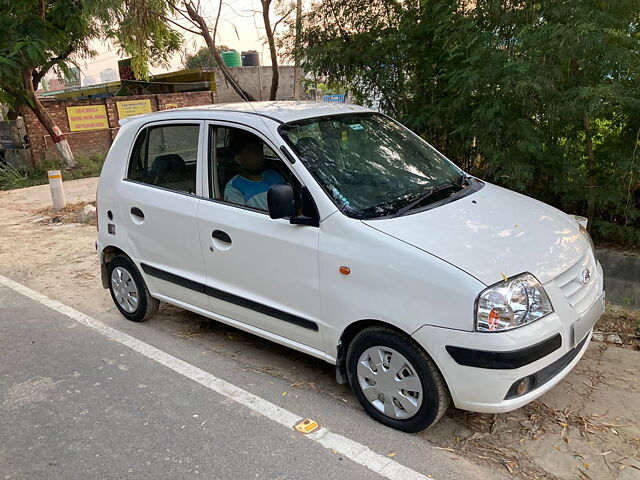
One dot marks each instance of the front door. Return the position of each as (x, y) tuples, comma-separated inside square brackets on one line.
[(260, 271)]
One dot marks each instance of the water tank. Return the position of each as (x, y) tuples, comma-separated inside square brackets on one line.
[(109, 75), (231, 58), (250, 58)]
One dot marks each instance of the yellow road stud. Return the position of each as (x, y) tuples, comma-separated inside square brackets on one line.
[(306, 426)]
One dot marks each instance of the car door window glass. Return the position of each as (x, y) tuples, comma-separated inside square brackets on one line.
[(243, 168), (166, 156)]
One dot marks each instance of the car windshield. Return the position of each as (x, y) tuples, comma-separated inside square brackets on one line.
[(371, 165)]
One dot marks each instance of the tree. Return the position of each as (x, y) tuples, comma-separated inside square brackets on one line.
[(270, 31), (174, 12), (540, 96), (190, 11), (203, 58), (36, 37)]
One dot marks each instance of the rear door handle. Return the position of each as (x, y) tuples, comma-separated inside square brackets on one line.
[(222, 236), (137, 212)]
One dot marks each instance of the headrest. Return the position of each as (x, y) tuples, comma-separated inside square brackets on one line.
[(169, 162)]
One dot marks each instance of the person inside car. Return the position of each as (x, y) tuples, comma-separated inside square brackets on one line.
[(250, 186)]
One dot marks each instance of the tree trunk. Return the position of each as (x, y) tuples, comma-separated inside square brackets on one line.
[(46, 121), (211, 44), (275, 78), (591, 163), (296, 70)]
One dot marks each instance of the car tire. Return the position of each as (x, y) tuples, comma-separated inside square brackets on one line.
[(415, 408), (129, 291)]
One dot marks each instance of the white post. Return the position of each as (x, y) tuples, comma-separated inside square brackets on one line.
[(57, 190)]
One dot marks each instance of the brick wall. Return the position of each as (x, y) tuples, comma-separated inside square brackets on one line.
[(96, 141)]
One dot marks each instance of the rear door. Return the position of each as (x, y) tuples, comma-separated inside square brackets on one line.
[(260, 271), (159, 203)]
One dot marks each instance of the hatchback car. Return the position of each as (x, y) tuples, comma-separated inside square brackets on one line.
[(336, 231)]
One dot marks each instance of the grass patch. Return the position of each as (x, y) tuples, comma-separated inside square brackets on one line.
[(12, 178)]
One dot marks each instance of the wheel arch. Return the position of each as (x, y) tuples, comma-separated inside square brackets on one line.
[(108, 253), (348, 334)]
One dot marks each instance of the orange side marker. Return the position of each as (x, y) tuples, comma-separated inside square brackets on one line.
[(344, 270)]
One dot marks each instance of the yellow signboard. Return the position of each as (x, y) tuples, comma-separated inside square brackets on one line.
[(133, 107), (87, 117)]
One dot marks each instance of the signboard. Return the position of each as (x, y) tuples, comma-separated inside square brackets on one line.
[(340, 98), (133, 107), (87, 117)]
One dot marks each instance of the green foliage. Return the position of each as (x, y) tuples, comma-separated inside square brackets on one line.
[(38, 36), (11, 178), (203, 58), (511, 91), (139, 28)]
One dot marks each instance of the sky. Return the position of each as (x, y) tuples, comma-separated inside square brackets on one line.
[(240, 28)]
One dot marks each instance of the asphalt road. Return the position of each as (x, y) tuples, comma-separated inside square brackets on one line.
[(75, 404)]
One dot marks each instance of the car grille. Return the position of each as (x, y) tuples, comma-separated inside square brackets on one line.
[(580, 295)]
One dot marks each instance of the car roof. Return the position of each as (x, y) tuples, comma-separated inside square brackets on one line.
[(280, 111)]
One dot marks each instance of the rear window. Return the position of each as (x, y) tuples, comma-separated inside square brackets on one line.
[(166, 156)]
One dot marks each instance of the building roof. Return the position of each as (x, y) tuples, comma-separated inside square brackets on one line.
[(194, 79), (282, 111)]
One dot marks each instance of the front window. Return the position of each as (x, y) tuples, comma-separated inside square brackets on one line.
[(371, 166), (243, 168)]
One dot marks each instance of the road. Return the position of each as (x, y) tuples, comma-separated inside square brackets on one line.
[(80, 401)]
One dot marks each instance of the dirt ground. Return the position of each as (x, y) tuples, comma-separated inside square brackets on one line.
[(587, 427)]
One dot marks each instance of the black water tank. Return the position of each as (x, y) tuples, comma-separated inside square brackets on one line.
[(250, 58)]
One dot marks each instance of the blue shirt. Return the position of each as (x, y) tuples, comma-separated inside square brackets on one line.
[(247, 192)]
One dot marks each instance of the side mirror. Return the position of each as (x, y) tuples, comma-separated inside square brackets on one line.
[(281, 201)]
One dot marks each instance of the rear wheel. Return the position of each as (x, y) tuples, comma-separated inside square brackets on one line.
[(128, 290), (396, 382)]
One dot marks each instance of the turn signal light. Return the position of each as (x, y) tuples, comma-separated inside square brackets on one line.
[(344, 270), (493, 319)]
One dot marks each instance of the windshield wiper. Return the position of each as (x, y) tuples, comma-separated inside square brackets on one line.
[(432, 191)]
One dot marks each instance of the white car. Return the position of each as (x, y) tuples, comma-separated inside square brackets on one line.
[(335, 231)]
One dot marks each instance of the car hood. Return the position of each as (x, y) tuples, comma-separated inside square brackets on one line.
[(493, 233)]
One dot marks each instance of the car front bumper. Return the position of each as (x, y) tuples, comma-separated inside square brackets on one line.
[(486, 367)]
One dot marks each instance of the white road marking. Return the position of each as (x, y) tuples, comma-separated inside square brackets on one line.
[(355, 451)]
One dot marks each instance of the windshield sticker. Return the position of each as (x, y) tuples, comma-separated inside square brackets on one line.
[(338, 196), (356, 126)]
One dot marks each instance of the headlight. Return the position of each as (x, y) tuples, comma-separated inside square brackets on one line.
[(512, 303)]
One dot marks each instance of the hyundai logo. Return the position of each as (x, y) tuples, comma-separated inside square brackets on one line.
[(585, 276)]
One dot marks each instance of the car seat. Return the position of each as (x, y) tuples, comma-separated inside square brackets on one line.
[(227, 167), (170, 171)]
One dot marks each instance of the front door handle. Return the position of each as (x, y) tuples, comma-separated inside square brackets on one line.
[(137, 212), (222, 236)]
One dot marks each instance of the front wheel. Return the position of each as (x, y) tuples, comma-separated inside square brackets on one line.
[(128, 290), (396, 382)]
